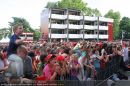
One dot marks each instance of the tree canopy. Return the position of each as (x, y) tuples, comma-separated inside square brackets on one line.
[(26, 26), (124, 27), (37, 34), (4, 32), (52, 5), (24, 22), (74, 4), (116, 16)]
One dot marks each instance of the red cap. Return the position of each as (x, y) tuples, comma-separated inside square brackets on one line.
[(48, 57), (60, 58), (74, 44)]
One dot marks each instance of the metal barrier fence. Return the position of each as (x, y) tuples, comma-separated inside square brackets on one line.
[(112, 67)]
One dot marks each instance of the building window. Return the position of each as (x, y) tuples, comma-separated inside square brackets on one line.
[(56, 21), (57, 31), (60, 12), (74, 31), (74, 22), (89, 23), (74, 13), (89, 32), (103, 32), (103, 23)]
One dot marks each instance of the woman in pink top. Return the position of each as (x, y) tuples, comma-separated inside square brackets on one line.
[(50, 70)]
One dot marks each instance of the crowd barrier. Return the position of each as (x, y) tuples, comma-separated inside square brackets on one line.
[(113, 66)]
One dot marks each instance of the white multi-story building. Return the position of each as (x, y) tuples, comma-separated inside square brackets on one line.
[(71, 25)]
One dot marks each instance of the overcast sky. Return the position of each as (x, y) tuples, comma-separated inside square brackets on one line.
[(31, 9)]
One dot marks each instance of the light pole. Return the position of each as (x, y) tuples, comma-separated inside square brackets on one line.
[(83, 28), (67, 30), (98, 29), (50, 30), (121, 34)]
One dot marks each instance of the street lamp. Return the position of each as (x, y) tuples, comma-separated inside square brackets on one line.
[(98, 29), (122, 33)]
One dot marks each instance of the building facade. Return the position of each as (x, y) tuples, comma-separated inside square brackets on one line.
[(72, 25)]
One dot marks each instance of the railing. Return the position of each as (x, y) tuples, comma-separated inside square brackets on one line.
[(113, 66)]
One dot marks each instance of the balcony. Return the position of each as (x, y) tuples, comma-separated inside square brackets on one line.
[(74, 17), (103, 36), (56, 16), (90, 27), (58, 35), (90, 36), (80, 36), (59, 26), (88, 18), (75, 35), (94, 36), (103, 27), (105, 19), (72, 26)]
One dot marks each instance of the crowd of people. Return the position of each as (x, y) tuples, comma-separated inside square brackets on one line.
[(49, 61)]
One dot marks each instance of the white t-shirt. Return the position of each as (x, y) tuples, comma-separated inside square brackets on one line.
[(1, 64), (15, 66), (125, 54)]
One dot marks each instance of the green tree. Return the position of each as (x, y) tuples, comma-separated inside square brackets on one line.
[(1, 33), (52, 5), (89, 12), (24, 22), (96, 12), (37, 34), (26, 26), (124, 27), (92, 12), (4, 32), (74, 4), (116, 16)]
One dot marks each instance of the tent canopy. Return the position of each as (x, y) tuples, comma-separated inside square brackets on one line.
[(5, 40)]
